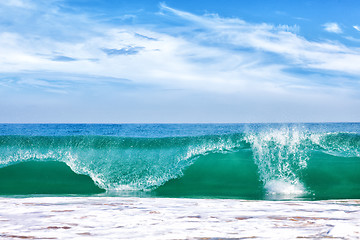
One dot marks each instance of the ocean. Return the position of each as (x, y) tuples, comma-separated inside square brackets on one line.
[(310, 161), (180, 181)]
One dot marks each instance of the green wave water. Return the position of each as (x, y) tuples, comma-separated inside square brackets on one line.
[(44, 178), (275, 163)]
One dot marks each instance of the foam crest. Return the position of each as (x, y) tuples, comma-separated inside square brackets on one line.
[(23, 155)]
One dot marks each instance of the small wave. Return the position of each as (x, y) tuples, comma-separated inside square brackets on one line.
[(339, 144)]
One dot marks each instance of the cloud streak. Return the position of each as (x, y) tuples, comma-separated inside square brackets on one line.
[(282, 41)]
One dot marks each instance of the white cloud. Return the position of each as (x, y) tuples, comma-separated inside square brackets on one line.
[(281, 41), (332, 27), (227, 55), (357, 27)]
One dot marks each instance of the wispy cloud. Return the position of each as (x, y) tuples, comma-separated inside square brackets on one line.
[(280, 40), (60, 82), (202, 53), (332, 27), (357, 27), (222, 54)]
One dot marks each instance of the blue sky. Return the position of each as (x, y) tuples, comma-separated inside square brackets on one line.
[(179, 61)]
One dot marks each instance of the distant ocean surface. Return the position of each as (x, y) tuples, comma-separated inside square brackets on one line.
[(242, 161)]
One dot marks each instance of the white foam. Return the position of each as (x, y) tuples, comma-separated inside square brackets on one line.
[(154, 218), (281, 187)]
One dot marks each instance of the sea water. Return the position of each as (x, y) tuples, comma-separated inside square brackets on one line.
[(310, 161)]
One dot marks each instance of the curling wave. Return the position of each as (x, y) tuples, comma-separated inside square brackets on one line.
[(283, 162)]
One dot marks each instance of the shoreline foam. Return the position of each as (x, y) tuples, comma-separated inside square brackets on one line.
[(176, 218)]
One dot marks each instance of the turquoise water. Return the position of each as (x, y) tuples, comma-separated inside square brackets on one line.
[(245, 161)]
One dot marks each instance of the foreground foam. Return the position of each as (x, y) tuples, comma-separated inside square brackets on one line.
[(144, 218)]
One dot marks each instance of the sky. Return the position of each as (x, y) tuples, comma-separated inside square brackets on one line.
[(147, 61)]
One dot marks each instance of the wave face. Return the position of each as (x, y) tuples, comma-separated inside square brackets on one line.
[(44, 178), (258, 161)]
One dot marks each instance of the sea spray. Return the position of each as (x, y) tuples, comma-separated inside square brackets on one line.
[(280, 155)]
